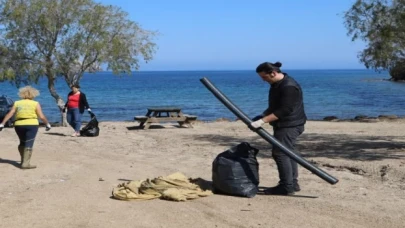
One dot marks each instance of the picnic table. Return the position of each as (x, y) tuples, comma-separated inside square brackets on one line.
[(158, 114)]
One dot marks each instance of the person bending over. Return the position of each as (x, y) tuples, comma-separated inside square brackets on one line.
[(286, 114)]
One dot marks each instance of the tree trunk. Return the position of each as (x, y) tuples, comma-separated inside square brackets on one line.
[(59, 101)]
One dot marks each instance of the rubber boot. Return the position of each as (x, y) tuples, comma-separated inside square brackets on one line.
[(21, 150), (27, 159)]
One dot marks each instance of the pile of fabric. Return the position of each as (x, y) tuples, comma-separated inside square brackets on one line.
[(176, 187)]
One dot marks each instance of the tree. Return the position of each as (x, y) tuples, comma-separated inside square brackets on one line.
[(381, 24), (65, 38)]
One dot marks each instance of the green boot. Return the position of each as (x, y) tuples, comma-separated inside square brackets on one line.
[(21, 150), (27, 158)]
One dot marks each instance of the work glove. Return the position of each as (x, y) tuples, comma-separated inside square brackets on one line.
[(258, 117), (48, 127), (256, 124), (1, 127)]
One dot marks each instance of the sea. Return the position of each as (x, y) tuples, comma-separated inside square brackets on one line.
[(341, 93)]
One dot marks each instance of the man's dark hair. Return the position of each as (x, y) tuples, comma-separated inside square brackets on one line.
[(268, 67)]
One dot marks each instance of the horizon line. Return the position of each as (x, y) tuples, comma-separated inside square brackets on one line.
[(249, 70)]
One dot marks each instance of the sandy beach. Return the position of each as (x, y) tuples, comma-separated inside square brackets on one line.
[(75, 176)]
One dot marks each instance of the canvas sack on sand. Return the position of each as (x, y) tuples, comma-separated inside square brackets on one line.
[(175, 187)]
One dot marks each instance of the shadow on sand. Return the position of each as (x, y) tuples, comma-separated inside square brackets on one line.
[(55, 134), (364, 148), (11, 162), (156, 127)]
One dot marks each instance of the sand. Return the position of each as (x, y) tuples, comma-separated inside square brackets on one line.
[(75, 176)]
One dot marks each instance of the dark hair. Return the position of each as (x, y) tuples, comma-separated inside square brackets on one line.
[(76, 86), (267, 67)]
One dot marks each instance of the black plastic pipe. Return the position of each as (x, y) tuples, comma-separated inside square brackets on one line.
[(266, 136)]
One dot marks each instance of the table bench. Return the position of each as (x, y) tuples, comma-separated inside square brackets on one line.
[(160, 114)]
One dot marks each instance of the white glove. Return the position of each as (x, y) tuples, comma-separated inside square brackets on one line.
[(48, 127), (257, 123), (1, 127), (89, 110)]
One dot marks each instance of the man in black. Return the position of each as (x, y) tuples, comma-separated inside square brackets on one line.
[(287, 116)]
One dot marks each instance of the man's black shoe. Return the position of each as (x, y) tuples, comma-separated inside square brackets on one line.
[(279, 190), (297, 187)]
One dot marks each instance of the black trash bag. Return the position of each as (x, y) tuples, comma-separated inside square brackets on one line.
[(236, 171), (91, 129)]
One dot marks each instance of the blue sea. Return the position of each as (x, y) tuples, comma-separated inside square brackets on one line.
[(341, 93)]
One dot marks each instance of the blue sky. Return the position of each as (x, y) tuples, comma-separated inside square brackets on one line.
[(238, 35)]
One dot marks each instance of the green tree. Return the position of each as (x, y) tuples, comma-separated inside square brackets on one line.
[(381, 24), (66, 38)]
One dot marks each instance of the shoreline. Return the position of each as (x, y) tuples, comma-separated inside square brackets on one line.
[(359, 118)]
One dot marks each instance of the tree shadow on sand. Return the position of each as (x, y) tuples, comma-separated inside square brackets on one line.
[(156, 127), (141, 128), (55, 134), (363, 148)]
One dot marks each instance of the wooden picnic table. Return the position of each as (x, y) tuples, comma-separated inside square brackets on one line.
[(158, 114)]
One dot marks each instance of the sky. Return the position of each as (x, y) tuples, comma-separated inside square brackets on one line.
[(240, 34)]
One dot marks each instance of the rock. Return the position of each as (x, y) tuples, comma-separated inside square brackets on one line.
[(369, 120), (397, 72), (360, 117), (330, 118), (388, 117)]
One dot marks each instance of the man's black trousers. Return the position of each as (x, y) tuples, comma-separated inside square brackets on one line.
[(287, 168)]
